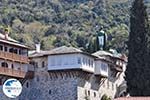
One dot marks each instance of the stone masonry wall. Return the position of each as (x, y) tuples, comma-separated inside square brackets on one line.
[(50, 87)]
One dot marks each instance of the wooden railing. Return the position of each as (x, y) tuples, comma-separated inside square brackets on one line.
[(12, 72), (14, 57)]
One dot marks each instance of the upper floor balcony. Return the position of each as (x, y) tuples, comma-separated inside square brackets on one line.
[(11, 72), (13, 57)]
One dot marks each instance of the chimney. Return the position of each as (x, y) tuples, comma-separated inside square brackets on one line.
[(38, 47), (6, 33)]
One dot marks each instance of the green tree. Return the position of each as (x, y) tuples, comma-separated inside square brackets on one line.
[(137, 73), (105, 97)]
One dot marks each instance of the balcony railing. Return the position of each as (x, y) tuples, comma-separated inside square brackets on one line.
[(12, 72), (13, 57)]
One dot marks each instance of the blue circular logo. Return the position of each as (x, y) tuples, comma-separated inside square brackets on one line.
[(12, 88)]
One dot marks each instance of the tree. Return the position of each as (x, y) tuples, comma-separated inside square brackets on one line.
[(105, 97), (138, 69)]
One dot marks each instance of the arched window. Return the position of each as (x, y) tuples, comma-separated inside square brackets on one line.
[(4, 64)]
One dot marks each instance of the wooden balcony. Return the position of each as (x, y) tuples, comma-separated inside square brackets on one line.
[(12, 72), (13, 57)]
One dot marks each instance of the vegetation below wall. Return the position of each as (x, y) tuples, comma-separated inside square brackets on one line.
[(67, 22)]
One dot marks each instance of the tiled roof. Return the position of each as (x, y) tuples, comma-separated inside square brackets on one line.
[(133, 98), (63, 50), (11, 41), (104, 54), (59, 50)]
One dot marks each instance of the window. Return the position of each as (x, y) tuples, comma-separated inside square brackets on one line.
[(49, 91), (66, 62), (84, 61), (19, 68), (5, 49), (35, 64), (11, 50), (92, 63), (94, 94), (89, 93), (15, 51), (27, 84), (89, 62), (79, 60), (20, 52), (43, 64), (4, 64), (53, 62), (104, 67), (59, 61), (1, 47), (1, 83), (12, 66)]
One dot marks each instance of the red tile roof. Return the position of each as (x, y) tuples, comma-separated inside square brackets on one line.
[(133, 98)]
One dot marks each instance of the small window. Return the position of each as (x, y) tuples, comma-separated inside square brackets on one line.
[(27, 84), (50, 92), (53, 62), (89, 62), (84, 61), (43, 64), (1, 47), (59, 61), (12, 66), (19, 68), (89, 93), (4, 64), (1, 83), (103, 67), (20, 52), (79, 60), (5, 49), (11, 50), (36, 64), (94, 94), (15, 51)]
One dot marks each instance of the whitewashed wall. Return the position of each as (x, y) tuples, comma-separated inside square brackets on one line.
[(101, 68), (71, 61)]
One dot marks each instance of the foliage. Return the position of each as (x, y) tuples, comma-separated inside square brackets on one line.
[(137, 73), (74, 21), (105, 97)]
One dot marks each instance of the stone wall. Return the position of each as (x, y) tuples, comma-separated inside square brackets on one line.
[(67, 85), (50, 87)]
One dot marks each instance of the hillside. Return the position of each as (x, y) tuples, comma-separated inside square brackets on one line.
[(67, 22)]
